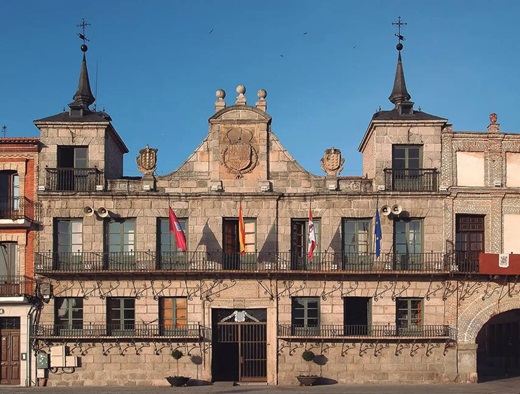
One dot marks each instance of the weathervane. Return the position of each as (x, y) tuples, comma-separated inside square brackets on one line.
[(399, 36), (4, 130), (82, 35)]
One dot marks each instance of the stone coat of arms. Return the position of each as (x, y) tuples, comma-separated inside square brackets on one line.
[(332, 162), (147, 160), (239, 156)]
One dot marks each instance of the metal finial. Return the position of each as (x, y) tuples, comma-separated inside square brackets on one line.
[(4, 130), (399, 36), (82, 35)]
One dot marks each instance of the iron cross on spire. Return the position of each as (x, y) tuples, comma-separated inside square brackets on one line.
[(83, 25), (399, 24)]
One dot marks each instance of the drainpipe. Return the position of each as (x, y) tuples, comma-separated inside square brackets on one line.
[(29, 350)]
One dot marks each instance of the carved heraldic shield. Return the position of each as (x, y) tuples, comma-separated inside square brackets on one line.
[(239, 157), (332, 162), (147, 160)]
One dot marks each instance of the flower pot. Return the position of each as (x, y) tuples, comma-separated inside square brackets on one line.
[(177, 381), (307, 380)]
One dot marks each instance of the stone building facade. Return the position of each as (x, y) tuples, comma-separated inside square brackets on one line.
[(246, 300)]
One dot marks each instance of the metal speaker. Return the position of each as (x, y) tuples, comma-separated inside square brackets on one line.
[(385, 210), (397, 209), (102, 212), (88, 211)]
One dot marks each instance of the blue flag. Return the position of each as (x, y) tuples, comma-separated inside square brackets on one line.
[(378, 233)]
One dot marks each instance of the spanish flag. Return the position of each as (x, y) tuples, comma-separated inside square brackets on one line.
[(241, 231)]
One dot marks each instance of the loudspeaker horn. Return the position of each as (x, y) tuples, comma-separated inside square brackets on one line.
[(385, 210), (397, 209), (88, 211), (102, 212)]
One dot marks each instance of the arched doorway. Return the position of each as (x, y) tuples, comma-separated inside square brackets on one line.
[(498, 353)]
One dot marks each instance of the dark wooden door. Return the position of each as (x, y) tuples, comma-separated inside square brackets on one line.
[(231, 244), (10, 356), (298, 245), (469, 241)]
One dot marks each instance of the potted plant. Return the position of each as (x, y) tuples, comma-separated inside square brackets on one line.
[(177, 380), (307, 380)]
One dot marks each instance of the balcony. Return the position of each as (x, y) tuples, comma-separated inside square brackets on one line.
[(411, 180), (284, 262), (72, 179), (190, 331), (17, 212), (16, 286), (364, 331)]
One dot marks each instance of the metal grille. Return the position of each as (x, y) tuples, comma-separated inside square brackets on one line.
[(251, 341), (9, 323)]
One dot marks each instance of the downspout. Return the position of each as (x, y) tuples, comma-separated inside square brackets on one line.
[(32, 309), (277, 307)]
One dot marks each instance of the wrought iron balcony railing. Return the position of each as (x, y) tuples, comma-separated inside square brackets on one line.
[(374, 331), (15, 208), (13, 286), (189, 331), (323, 262), (73, 179), (411, 179)]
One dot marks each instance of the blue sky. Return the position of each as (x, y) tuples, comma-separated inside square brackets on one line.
[(160, 62)]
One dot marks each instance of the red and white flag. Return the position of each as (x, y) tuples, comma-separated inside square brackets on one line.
[(312, 236), (175, 227), (241, 231)]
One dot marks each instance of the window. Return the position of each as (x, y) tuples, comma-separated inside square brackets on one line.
[(9, 194), (68, 243), (68, 313), (408, 244), (356, 313), (120, 244), (73, 173), (170, 256), (8, 262), (409, 315), (305, 315), (406, 164), (233, 259), (300, 245), (469, 241), (356, 244), (120, 316), (173, 315), (72, 156)]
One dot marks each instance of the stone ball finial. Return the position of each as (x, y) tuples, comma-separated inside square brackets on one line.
[(221, 94), (262, 94), (241, 89), (493, 118)]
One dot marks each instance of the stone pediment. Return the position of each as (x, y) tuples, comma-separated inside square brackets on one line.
[(240, 153), (240, 113)]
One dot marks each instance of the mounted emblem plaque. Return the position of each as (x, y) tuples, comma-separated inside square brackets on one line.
[(332, 162), (147, 160), (239, 156)]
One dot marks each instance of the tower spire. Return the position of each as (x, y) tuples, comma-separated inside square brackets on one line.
[(399, 93), (83, 97)]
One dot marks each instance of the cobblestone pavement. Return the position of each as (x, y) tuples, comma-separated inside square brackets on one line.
[(504, 386)]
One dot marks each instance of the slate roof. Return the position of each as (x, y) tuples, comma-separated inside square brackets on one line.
[(66, 117), (395, 115)]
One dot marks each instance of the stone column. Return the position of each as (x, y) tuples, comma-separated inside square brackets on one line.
[(467, 361)]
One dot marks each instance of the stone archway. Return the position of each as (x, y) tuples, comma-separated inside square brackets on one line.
[(472, 319), (498, 347)]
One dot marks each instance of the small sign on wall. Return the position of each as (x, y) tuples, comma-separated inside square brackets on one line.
[(503, 260)]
